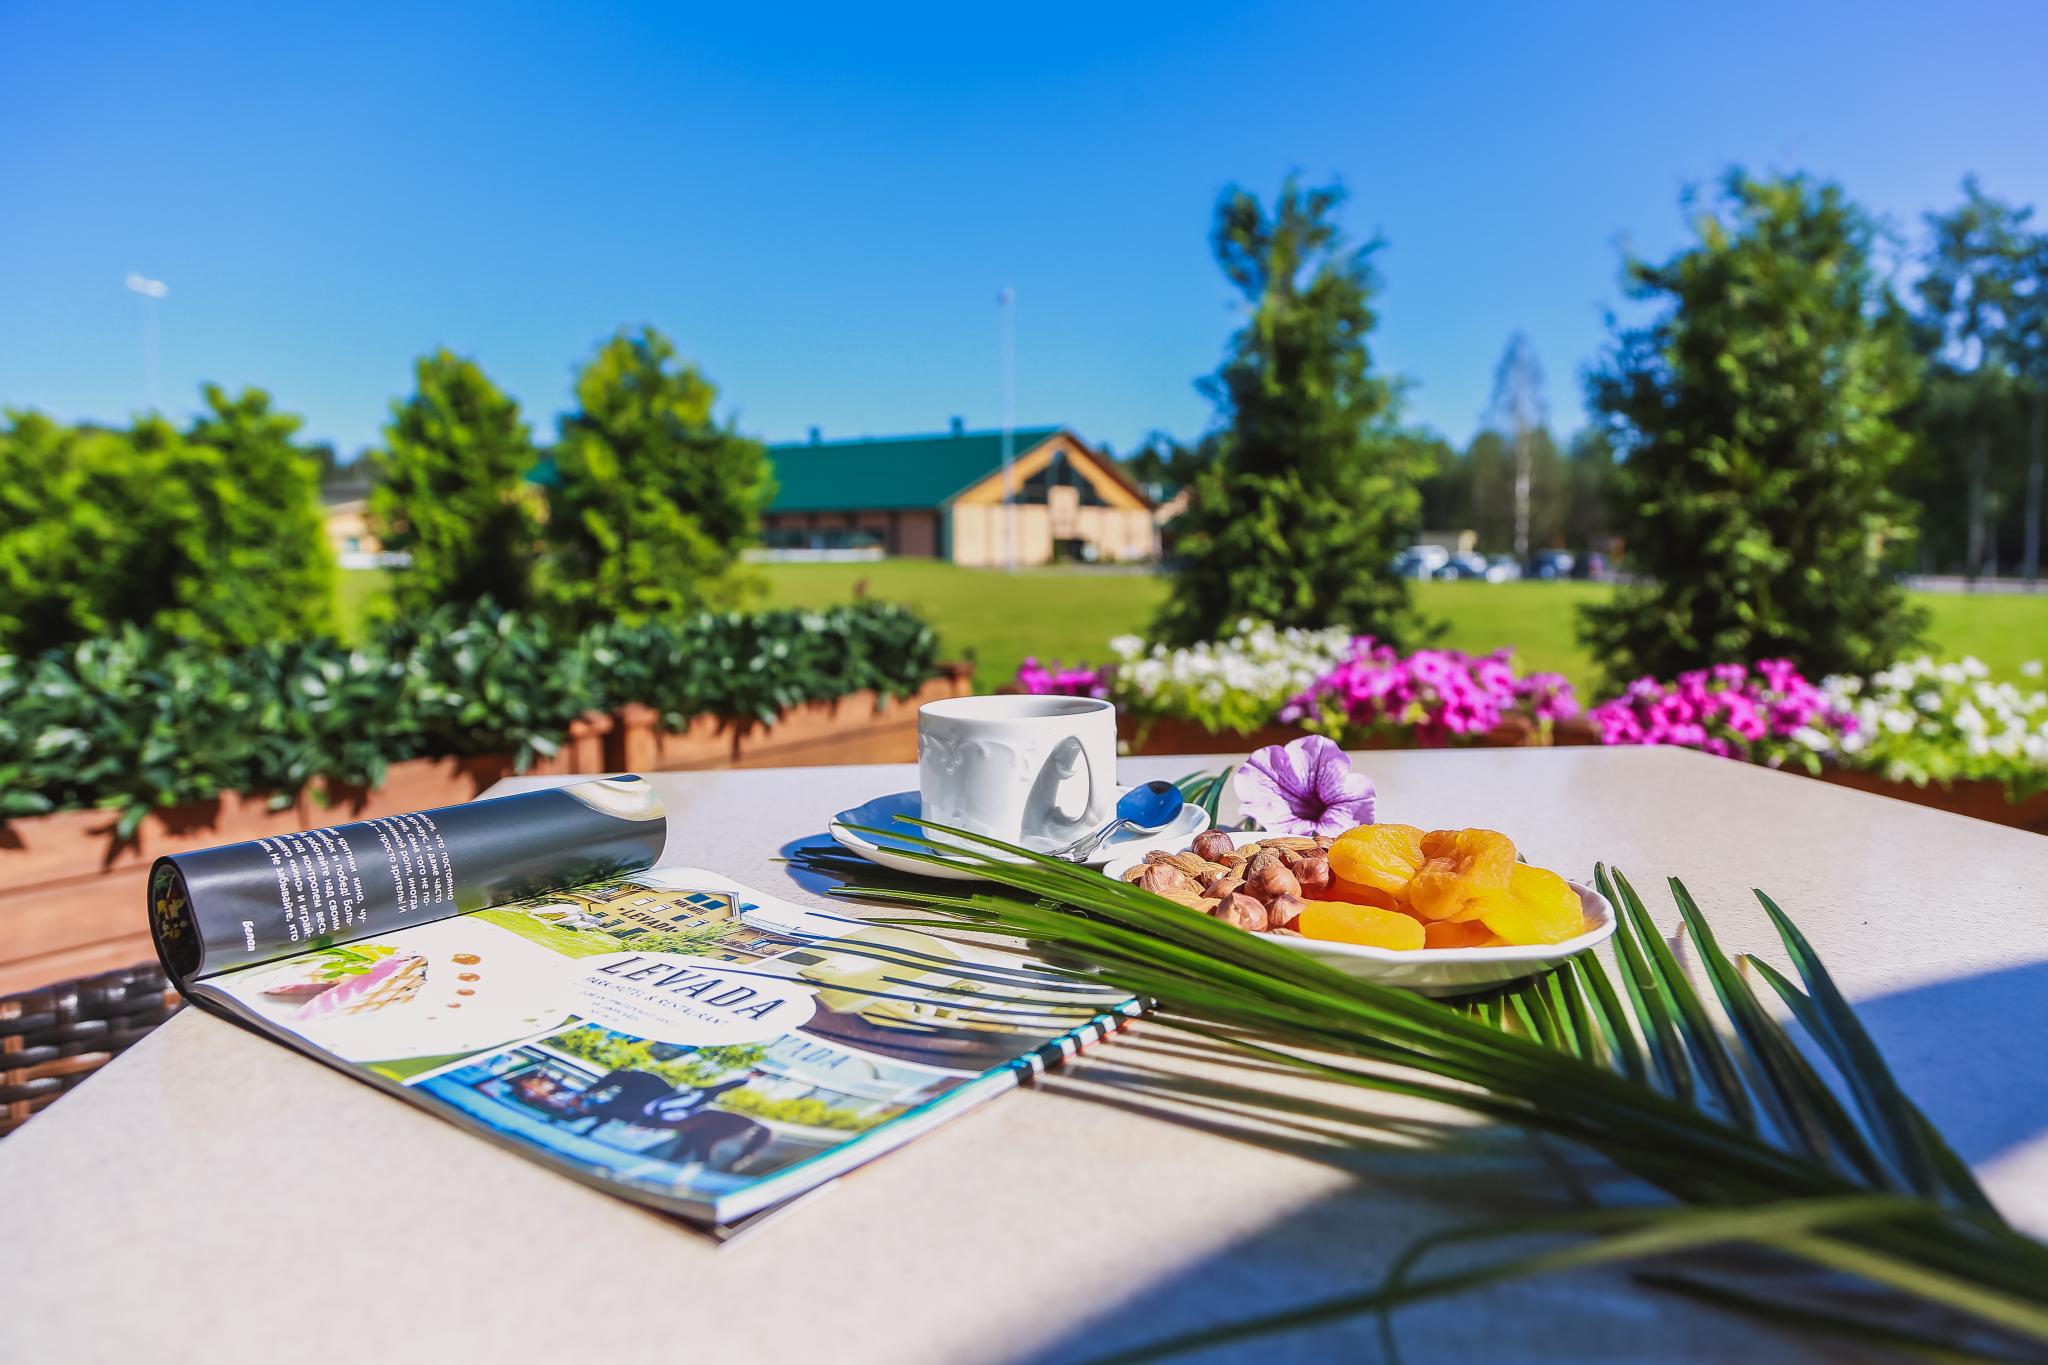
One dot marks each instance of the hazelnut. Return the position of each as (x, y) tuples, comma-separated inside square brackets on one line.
[(1212, 845), (1222, 885), (1267, 880), (1283, 911), (1312, 870), (1242, 911), (1162, 880)]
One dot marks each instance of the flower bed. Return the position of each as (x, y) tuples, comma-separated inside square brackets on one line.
[(1926, 722), (1769, 715), (1940, 734), (1264, 686), (1937, 734)]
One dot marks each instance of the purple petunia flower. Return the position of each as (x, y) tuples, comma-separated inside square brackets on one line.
[(1303, 788)]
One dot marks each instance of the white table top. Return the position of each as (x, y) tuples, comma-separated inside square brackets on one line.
[(211, 1195)]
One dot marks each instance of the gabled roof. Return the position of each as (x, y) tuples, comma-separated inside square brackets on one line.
[(890, 471)]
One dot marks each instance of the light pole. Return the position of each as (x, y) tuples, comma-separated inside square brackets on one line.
[(1006, 299), (150, 291)]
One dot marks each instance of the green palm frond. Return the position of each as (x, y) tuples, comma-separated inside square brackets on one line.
[(1724, 1116), (1205, 790)]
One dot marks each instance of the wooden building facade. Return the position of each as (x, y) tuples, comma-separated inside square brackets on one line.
[(943, 497)]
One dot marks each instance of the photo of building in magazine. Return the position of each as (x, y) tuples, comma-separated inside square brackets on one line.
[(661, 1032)]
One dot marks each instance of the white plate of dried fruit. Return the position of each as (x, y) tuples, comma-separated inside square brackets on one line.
[(1442, 912)]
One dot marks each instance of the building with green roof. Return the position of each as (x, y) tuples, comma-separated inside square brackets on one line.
[(944, 496)]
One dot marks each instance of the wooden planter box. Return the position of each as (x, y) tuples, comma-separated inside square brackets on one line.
[(71, 893), (1978, 800)]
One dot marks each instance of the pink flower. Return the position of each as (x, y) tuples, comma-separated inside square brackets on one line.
[(1305, 787), (1078, 680), (1728, 710)]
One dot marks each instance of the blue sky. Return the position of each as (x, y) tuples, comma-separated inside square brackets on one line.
[(820, 202)]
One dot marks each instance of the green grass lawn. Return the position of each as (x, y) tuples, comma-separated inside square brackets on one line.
[(998, 617), (2005, 630), (354, 591), (1071, 614)]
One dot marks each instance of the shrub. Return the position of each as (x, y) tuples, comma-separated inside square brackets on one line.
[(212, 535), (81, 542), (482, 680), (256, 565), (653, 498), (1312, 488), (135, 722), (325, 710), (21, 778), (1755, 420), (758, 664), (451, 491), (138, 721)]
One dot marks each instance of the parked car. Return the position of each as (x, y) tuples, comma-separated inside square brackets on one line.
[(1550, 565), (1464, 565), (1421, 561), (1502, 569)]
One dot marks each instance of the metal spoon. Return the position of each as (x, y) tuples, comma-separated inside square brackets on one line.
[(1144, 809)]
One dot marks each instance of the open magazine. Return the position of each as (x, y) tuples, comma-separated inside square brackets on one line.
[(519, 966)]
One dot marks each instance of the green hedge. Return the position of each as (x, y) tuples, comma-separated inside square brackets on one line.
[(137, 721)]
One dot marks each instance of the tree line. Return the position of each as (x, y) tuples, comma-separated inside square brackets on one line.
[(1973, 309), (213, 533), (1785, 433)]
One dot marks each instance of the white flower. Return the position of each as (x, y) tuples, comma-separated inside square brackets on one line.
[(1816, 740), (2031, 669)]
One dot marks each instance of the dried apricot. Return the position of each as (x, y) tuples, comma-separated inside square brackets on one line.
[(1539, 907), (1342, 922), (1383, 857), (1451, 933), (1342, 890), (1462, 870)]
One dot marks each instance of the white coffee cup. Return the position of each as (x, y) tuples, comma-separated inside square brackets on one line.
[(1039, 771)]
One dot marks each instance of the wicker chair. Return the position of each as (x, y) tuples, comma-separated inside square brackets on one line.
[(54, 1037)]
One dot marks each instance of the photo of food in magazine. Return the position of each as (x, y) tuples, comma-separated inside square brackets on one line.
[(661, 1032)]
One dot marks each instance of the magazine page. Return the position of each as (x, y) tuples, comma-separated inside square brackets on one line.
[(674, 1037), (221, 908)]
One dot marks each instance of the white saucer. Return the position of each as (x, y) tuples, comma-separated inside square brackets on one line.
[(881, 813)]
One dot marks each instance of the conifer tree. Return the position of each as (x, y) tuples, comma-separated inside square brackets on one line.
[(1313, 488), (1755, 417)]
